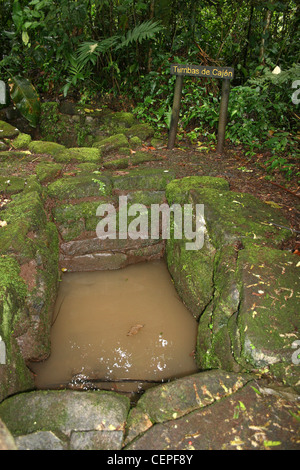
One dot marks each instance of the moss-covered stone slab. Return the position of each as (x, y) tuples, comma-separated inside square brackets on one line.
[(80, 155), (48, 171), (158, 143), (7, 130), (146, 197), (147, 179), (12, 184), (253, 319), (65, 213), (14, 155), (120, 119), (192, 273), (135, 142), (82, 168), (142, 131), (137, 423), (111, 143), (73, 187), (232, 217), (44, 147), (3, 146), (14, 375), (118, 164), (252, 418), (179, 397), (268, 316), (73, 220), (67, 412), (177, 191), (26, 206), (140, 157), (22, 141), (41, 275), (213, 341), (32, 241), (14, 240)]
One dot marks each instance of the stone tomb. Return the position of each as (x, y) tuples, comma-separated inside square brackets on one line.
[(241, 287)]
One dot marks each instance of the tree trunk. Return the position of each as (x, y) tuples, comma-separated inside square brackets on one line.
[(265, 30), (151, 16)]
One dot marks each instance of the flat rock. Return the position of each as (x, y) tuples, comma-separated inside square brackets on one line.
[(179, 397), (248, 419), (81, 417)]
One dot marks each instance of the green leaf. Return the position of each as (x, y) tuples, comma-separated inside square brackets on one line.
[(272, 443), (25, 98)]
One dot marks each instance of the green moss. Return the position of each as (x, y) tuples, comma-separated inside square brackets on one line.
[(155, 179), (178, 190), (33, 185), (3, 146), (135, 142), (7, 130), (111, 143), (42, 147), (14, 240), (192, 273), (142, 131), (157, 143), (11, 154), (120, 163), (12, 184), (10, 277), (48, 171), (122, 119), (79, 186), (81, 154), (230, 216), (142, 157), (26, 207), (87, 167), (65, 213), (22, 141), (146, 197)]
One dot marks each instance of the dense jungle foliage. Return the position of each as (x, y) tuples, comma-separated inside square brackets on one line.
[(121, 51)]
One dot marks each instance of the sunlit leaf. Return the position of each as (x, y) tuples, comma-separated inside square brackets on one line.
[(25, 98)]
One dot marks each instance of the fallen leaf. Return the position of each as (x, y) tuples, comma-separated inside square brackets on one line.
[(120, 173), (134, 330)]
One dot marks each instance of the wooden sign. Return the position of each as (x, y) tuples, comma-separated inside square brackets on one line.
[(225, 73), (203, 71)]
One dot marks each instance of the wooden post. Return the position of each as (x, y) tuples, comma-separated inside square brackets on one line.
[(223, 115), (175, 111)]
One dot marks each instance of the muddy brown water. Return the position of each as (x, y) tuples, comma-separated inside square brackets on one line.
[(126, 328)]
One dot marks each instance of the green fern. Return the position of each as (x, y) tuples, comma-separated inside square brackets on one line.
[(89, 51), (145, 30)]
